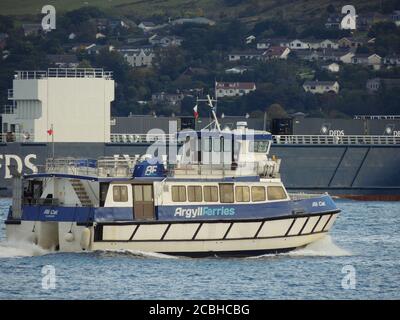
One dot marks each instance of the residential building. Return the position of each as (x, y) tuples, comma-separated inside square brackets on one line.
[(332, 67), (234, 89), (147, 25), (276, 52), (246, 55), (31, 29), (237, 70), (368, 59), (373, 85), (321, 87), (395, 16), (167, 98), (95, 48), (392, 60), (63, 60), (196, 20), (350, 42), (166, 41), (298, 44), (347, 57), (333, 21), (138, 57)]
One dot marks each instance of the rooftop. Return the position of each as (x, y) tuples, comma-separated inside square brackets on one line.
[(63, 73)]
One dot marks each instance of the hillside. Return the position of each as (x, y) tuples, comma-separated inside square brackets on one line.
[(248, 10)]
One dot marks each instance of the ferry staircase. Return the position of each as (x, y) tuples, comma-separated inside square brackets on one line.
[(81, 193)]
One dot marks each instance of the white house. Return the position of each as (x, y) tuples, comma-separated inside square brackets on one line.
[(165, 41), (298, 44), (147, 25), (250, 39), (347, 57), (333, 67), (320, 87), (329, 44), (245, 55), (233, 89), (138, 57)]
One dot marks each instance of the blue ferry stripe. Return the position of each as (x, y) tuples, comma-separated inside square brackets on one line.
[(134, 232), (227, 231)]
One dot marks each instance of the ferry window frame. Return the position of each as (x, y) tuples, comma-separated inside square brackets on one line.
[(120, 197), (241, 199), (255, 199), (260, 146), (181, 191), (276, 198), (223, 193), (213, 194), (197, 195)]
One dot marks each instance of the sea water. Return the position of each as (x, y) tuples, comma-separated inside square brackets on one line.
[(359, 259)]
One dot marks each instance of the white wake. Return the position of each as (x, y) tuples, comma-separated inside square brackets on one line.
[(15, 249), (324, 247)]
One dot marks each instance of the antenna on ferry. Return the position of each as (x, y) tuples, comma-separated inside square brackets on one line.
[(210, 103)]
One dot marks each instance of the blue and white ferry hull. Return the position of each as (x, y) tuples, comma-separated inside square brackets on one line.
[(86, 229)]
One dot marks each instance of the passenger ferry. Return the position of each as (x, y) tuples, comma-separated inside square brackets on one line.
[(221, 197)]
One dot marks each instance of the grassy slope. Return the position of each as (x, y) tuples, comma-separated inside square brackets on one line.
[(250, 10)]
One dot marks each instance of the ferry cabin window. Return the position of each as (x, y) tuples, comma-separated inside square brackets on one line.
[(120, 193), (210, 194), (226, 193), (178, 193), (195, 194), (276, 193), (242, 194), (259, 146), (258, 194)]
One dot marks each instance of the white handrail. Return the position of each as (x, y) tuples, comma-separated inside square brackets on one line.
[(277, 139)]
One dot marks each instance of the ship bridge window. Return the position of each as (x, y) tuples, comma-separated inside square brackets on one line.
[(195, 194), (259, 146), (120, 193), (226, 193), (276, 193), (258, 194), (178, 193), (242, 194), (210, 193)]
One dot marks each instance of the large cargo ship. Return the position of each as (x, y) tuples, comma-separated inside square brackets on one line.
[(67, 113)]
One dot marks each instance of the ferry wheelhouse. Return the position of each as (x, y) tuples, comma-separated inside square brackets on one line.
[(221, 196)]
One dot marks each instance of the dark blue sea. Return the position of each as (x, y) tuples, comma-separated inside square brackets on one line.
[(360, 259)]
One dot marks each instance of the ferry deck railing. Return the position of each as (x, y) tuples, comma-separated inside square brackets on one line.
[(277, 139), (122, 167)]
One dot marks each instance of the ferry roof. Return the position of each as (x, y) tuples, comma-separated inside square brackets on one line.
[(140, 179)]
